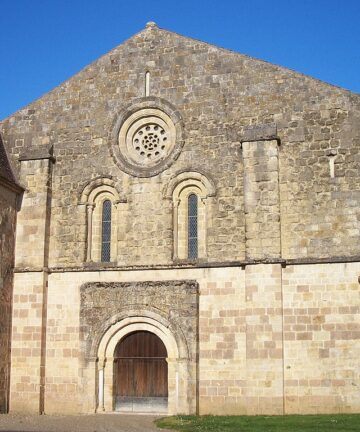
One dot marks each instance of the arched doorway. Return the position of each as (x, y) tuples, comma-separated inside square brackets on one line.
[(182, 369), (141, 373)]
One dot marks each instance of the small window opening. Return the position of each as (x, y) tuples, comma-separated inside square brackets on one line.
[(106, 232), (147, 84), (192, 226)]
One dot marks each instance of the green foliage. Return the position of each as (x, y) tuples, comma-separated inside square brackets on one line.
[(293, 423)]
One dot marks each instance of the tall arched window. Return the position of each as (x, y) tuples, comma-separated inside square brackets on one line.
[(104, 208), (191, 194), (106, 231), (192, 226)]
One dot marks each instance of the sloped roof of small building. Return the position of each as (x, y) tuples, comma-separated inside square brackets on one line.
[(6, 172)]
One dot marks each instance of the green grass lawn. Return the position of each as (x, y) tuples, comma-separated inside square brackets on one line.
[(294, 423)]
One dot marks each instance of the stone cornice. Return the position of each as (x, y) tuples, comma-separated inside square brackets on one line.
[(96, 267)]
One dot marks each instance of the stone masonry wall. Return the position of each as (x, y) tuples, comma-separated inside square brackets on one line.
[(321, 338), (27, 331), (218, 94), (7, 247), (272, 340)]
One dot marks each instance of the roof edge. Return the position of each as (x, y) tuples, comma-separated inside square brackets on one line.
[(151, 26), (14, 187), (7, 175), (260, 60), (71, 77)]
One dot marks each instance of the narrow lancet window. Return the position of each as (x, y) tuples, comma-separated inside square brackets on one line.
[(192, 226), (106, 231), (147, 84)]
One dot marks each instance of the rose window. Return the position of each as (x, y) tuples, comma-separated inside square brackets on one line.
[(150, 141)]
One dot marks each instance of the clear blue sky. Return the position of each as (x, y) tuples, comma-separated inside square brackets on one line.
[(44, 42)]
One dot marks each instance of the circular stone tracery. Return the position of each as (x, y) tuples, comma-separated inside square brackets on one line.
[(147, 137), (146, 140), (151, 141)]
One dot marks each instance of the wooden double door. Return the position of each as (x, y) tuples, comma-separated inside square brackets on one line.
[(140, 368)]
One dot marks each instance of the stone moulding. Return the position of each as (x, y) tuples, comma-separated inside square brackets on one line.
[(109, 311), (84, 195), (190, 175), (113, 300), (260, 132), (186, 264), (36, 153), (152, 112)]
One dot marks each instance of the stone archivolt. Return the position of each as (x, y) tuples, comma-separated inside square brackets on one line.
[(110, 311), (92, 188)]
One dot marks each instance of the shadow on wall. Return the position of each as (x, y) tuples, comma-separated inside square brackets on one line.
[(3, 391)]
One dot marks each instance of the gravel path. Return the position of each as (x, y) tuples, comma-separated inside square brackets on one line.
[(83, 423)]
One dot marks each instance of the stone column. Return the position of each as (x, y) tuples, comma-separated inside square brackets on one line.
[(108, 404), (101, 390), (176, 229), (89, 211)]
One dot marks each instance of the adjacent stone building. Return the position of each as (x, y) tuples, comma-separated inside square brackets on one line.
[(10, 193), (188, 241)]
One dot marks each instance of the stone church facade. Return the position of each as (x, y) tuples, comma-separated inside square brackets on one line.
[(188, 238)]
